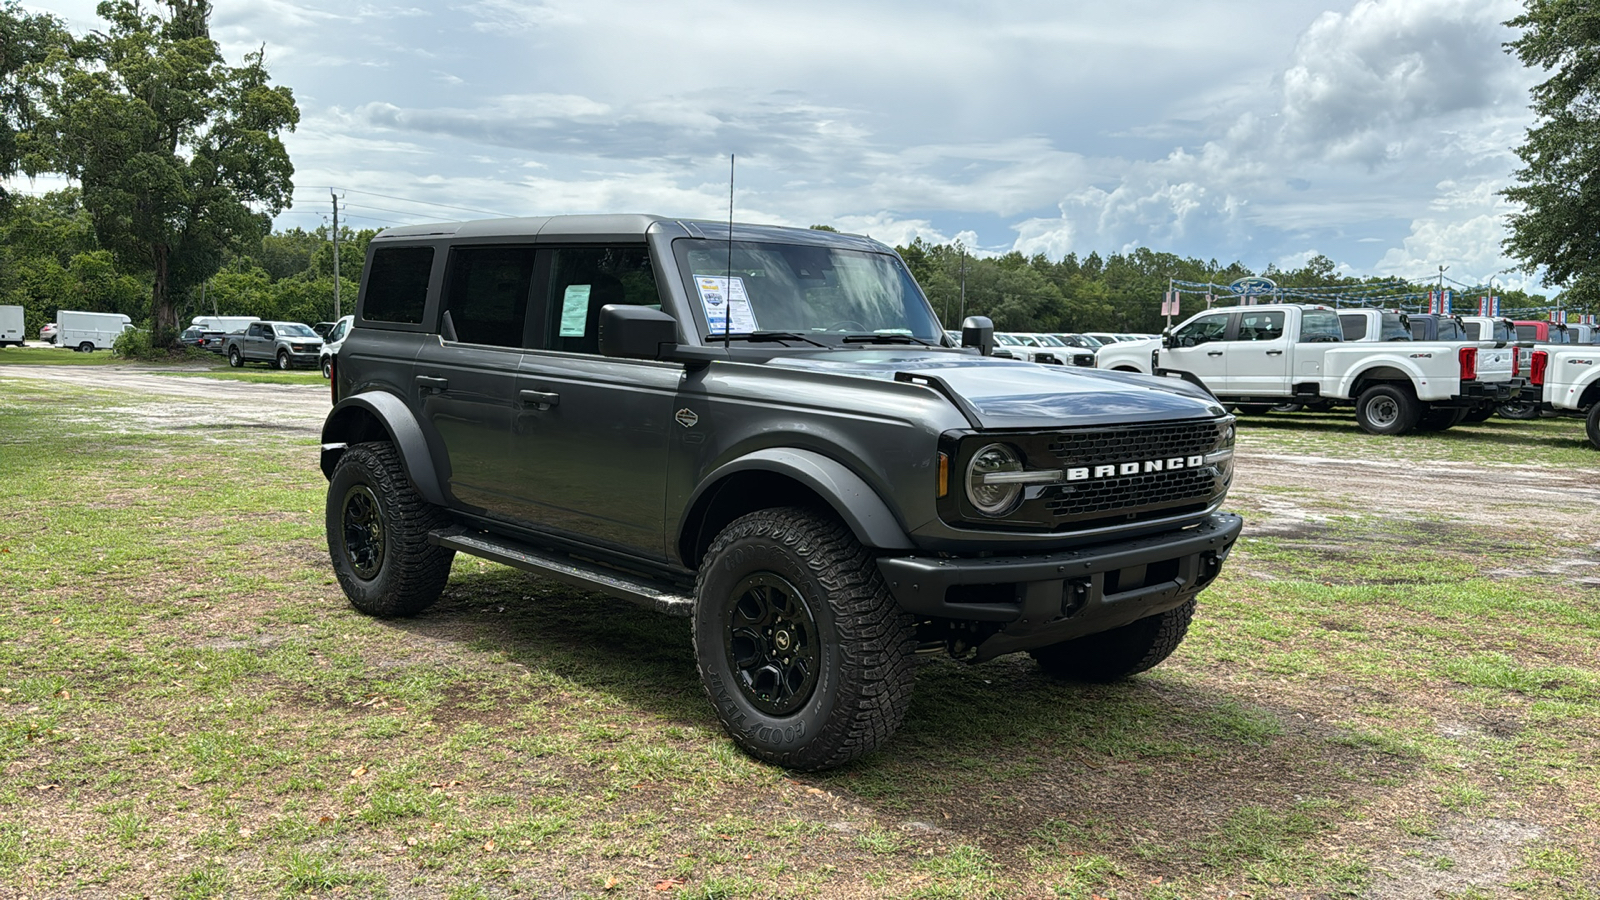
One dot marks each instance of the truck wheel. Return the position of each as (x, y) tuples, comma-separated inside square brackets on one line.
[(1386, 409), (1287, 407), (1519, 409), (86, 347), (1116, 654), (327, 367), (1593, 426), (804, 653), (378, 534), (1480, 413), (1440, 418), (1254, 409), (235, 358), (283, 360)]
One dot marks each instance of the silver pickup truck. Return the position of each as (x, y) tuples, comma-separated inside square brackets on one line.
[(281, 344)]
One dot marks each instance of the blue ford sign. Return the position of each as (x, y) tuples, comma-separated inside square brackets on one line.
[(1252, 285)]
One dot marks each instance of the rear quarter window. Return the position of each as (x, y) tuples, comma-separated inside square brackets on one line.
[(397, 285)]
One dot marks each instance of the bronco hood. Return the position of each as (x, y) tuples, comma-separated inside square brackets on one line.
[(1001, 393)]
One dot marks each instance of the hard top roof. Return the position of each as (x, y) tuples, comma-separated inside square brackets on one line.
[(627, 226)]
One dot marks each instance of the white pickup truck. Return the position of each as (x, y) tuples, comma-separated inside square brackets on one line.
[(1567, 382), (1293, 352)]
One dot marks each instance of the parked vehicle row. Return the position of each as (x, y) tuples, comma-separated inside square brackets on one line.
[(1257, 356)]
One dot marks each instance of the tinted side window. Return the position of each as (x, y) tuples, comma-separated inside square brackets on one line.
[(582, 280), (1355, 327), (397, 285), (1451, 330), (1203, 330), (1260, 326), (1319, 325), (487, 294), (1419, 329), (1527, 333), (1395, 327), (1473, 329)]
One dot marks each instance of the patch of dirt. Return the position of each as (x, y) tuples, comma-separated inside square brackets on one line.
[(226, 406), (1464, 855)]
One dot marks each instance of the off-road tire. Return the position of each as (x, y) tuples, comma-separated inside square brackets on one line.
[(235, 358), (1483, 412), (409, 573), (1116, 654), (1521, 410), (1387, 409), (1592, 425), (283, 361), (1440, 418), (864, 642)]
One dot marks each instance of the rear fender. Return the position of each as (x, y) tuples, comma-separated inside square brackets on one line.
[(380, 416)]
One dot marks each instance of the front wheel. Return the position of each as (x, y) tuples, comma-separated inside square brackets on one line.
[(235, 358), (1118, 653), (283, 360), (1593, 425), (804, 653), (378, 534), (1387, 409)]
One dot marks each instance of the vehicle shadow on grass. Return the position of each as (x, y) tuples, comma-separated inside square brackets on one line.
[(996, 754)]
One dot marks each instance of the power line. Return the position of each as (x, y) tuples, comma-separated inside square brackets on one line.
[(487, 212)]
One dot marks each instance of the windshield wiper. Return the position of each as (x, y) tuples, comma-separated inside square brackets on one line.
[(755, 337), (895, 338)]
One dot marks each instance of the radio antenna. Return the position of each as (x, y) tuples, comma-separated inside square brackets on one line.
[(727, 306)]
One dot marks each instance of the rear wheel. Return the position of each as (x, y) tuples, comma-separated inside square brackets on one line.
[(1593, 426), (235, 358), (86, 347), (1519, 409), (1120, 652), (1479, 413), (1387, 409), (378, 528), (1440, 418), (804, 653)]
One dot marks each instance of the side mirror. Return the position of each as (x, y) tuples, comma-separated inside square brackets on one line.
[(978, 331), (1168, 340), (636, 332)]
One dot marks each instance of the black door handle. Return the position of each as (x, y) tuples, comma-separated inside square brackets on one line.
[(541, 399), (1274, 352), (1214, 353), (429, 383)]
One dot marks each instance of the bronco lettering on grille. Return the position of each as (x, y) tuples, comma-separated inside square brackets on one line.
[(1085, 473)]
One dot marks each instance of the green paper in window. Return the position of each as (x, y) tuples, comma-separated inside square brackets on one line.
[(575, 310)]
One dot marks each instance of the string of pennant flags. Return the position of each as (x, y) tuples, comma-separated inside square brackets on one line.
[(1394, 294)]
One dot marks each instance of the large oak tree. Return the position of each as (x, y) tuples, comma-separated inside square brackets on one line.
[(1558, 188), (177, 152)]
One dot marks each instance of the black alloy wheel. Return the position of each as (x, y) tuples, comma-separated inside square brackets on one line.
[(772, 644), (362, 526)]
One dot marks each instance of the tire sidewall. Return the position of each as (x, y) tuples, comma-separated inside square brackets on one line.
[(357, 467), (777, 739), (283, 361), (1592, 425), (1371, 396), (235, 358)]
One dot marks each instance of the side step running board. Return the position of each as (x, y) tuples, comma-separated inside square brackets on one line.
[(659, 596)]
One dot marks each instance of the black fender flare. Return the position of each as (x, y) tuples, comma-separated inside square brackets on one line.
[(845, 492), (349, 423)]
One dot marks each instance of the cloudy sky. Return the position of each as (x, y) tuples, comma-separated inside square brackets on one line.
[(1376, 132)]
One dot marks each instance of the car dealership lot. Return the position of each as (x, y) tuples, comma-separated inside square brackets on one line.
[(1393, 692)]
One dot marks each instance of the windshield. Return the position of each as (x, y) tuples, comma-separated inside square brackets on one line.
[(1007, 340), (1080, 340), (819, 292), (293, 331), (1050, 341)]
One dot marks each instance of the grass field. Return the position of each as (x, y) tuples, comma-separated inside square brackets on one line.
[(1369, 704)]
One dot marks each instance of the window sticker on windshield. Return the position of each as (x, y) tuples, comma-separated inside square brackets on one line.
[(723, 302), (575, 310)]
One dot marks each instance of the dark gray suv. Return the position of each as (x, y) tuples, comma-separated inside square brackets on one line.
[(764, 429)]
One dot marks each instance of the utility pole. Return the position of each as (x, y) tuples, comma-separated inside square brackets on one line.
[(963, 284), (337, 314)]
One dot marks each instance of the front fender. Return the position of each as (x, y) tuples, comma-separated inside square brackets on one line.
[(377, 416), (855, 502)]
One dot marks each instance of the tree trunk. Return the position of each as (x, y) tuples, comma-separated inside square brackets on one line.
[(163, 318)]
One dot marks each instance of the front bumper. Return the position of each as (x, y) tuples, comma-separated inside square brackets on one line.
[(1047, 598)]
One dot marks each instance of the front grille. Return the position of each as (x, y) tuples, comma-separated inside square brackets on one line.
[(1136, 442), (1131, 492)]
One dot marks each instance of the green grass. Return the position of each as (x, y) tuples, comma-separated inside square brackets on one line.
[(190, 708)]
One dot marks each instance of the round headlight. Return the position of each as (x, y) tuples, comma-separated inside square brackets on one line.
[(993, 499)]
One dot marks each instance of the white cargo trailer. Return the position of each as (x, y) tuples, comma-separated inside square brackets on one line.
[(11, 326), (88, 331)]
